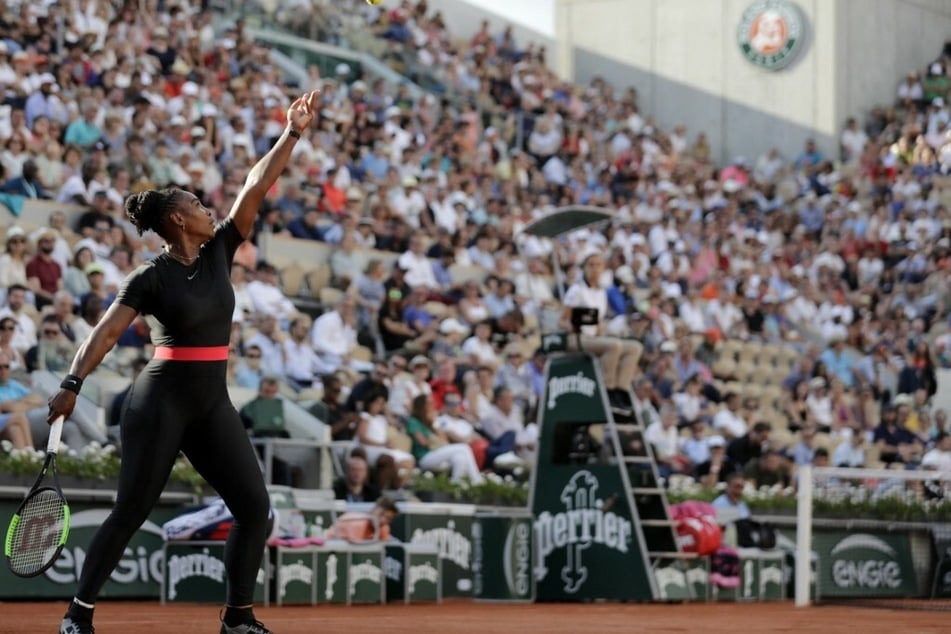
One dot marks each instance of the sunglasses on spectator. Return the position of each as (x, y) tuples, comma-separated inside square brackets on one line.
[(5, 366), (252, 356), (51, 332), (8, 328)]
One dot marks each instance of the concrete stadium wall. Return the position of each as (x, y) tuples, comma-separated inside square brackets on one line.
[(682, 57)]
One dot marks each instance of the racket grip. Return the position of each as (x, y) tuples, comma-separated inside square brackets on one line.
[(56, 430)]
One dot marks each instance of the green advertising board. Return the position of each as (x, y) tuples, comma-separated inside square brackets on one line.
[(864, 564), (412, 573), (195, 573), (365, 580), (138, 574), (449, 529), (295, 576), (502, 564), (331, 576), (585, 542)]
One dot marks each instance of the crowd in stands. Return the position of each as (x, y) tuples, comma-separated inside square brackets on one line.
[(842, 259)]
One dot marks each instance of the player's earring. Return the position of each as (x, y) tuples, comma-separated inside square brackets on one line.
[(182, 225)]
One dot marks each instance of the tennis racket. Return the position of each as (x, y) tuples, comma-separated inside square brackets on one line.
[(39, 528)]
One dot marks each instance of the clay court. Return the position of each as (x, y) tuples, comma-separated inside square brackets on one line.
[(119, 617)]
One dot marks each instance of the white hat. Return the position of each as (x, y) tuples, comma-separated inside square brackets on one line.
[(668, 346), (903, 399), (342, 69), (716, 441), (209, 110), (359, 85), (190, 88), (451, 325), (625, 274), (177, 120), (392, 111), (817, 382), (419, 360), (938, 102), (936, 69), (15, 232), (197, 131)]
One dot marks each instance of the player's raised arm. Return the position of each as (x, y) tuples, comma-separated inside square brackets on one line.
[(269, 168)]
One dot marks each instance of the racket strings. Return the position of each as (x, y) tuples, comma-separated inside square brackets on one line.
[(38, 533)]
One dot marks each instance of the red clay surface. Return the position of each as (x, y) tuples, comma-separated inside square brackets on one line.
[(465, 617)]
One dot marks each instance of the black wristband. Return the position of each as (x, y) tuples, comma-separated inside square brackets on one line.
[(72, 383), (293, 133)]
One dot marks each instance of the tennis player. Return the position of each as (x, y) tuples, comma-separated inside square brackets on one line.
[(180, 402)]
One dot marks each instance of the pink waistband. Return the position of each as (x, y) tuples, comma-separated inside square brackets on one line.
[(192, 353)]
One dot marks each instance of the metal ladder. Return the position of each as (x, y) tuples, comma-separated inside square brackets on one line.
[(648, 501)]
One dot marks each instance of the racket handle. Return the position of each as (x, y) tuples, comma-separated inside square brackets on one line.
[(56, 430)]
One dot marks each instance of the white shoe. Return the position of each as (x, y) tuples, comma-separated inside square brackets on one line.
[(508, 460)]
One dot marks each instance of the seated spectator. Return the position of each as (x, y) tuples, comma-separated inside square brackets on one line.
[(15, 400), (797, 411), (16, 359), (432, 447), (263, 417), (365, 527), (664, 439), (478, 348), (511, 442), (269, 339), (895, 443), (716, 468), (249, 371), (301, 362), (732, 498), (329, 410), (852, 451), (368, 293), (53, 351), (515, 374), (740, 451), (74, 277), (374, 435), (355, 485), (377, 380), (27, 184), (729, 421), (472, 308), (266, 294), (770, 469), (395, 332), (444, 383), (939, 457), (408, 385)]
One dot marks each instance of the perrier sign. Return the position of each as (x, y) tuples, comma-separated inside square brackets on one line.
[(584, 541)]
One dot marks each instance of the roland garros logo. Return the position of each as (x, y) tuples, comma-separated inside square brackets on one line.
[(771, 33)]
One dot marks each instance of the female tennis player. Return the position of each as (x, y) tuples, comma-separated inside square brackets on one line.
[(180, 401)]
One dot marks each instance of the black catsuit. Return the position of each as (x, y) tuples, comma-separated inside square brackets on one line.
[(184, 405)]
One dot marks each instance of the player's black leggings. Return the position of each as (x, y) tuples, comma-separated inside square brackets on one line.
[(173, 406)]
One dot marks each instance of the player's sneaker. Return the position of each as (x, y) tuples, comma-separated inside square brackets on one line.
[(69, 626), (248, 628)]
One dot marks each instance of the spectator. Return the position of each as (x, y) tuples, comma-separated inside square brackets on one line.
[(301, 362), (263, 417), (53, 352), (365, 527), (740, 451), (266, 295), (354, 485), (24, 335), (851, 452), (432, 447), (728, 420), (378, 437), (330, 411), (15, 400), (731, 500)]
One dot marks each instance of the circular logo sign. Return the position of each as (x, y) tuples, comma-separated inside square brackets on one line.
[(771, 33)]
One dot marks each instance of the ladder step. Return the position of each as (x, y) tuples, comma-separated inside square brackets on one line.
[(646, 491), (628, 427), (671, 555), (657, 523), (637, 460)]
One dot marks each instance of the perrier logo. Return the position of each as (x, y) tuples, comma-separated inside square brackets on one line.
[(770, 33)]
